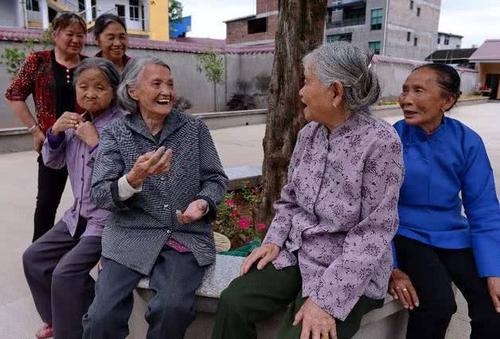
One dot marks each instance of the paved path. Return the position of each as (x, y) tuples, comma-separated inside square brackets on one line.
[(237, 146)]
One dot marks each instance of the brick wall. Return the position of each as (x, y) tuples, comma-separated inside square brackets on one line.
[(237, 31), (264, 6)]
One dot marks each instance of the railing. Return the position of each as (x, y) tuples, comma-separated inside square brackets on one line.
[(68, 5), (346, 22)]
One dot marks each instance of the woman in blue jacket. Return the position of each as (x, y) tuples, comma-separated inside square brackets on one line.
[(446, 168)]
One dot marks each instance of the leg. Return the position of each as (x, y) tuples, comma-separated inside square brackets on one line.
[(175, 278), (485, 321), (73, 288), (345, 329), (437, 302), (40, 260), (107, 317), (51, 184), (253, 297)]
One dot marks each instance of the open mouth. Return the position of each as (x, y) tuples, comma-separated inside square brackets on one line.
[(163, 101)]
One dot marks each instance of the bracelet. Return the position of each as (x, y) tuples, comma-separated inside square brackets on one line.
[(32, 128)]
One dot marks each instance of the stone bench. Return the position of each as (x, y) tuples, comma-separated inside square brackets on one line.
[(386, 322)]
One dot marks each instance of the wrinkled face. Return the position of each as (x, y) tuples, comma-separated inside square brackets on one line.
[(71, 39), (315, 96), (93, 91), (113, 42), (423, 101), (154, 91)]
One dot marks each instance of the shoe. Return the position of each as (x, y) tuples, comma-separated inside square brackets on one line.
[(45, 332)]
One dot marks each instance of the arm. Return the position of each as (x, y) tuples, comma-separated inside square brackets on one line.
[(54, 150), (368, 243)]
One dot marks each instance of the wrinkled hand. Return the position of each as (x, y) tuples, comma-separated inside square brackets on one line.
[(401, 287), (150, 163), (316, 323), (494, 290), (264, 254), (66, 121), (87, 132), (38, 139), (195, 211)]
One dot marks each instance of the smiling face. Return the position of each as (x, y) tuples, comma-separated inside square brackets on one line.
[(154, 91), (113, 42), (315, 96), (94, 93), (423, 101), (70, 40)]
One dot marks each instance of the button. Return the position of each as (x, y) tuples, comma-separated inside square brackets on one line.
[(67, 70), (165, 206), (169, 231), (162, 178)]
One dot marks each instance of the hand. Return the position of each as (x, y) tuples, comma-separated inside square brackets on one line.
[(87, 133), (66, 120), (264, 254), (150, 163), (193, 212), (494, 290), (38, 139), (315, 322), (401, 287)]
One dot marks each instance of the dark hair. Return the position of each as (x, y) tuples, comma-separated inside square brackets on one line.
[(105, 66), (104, 21), (447, 78), (64, 19)]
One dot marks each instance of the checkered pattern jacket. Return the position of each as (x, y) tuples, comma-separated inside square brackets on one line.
[(139, 227)]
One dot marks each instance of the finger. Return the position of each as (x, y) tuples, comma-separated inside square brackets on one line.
[(265, 260), (408, 298), (249, 261), (316, 333), (298, 317), (163, 164), (306, 331), (392, 292), (495, 298), (333, 332), (402, 298), (414, 296)]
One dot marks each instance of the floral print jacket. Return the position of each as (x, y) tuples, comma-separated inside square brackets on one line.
[(338, 213)]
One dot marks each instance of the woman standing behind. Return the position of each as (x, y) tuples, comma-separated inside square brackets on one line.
[(48, 77), (111, 36), (446, 167)]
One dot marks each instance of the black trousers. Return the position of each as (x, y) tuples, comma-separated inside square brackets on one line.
[(432, 270), (51, 184)]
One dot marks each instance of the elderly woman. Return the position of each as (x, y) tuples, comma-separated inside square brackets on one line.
[(48, 77), (447, 168), (110, 34), (329, 242), (158, 171), (57, 265)]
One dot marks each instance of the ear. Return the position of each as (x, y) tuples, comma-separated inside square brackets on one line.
[(132, 92), (336, 90), (448, 102)]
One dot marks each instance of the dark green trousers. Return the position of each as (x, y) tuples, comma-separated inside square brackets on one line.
[(258, 295)]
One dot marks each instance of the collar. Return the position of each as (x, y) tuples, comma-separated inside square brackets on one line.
[(172, 122), (105, 117)]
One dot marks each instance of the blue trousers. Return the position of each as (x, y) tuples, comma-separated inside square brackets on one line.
[(174, 279)]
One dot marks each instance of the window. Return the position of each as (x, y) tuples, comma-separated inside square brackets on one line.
[(134, 10), (374, 46), (339, 37), (418, 11), (439, 40), (257, 25), (446, 40), (408, 36), (120, 11), (376, 19), (415, 41), (32, 5), (411, 5), (81, 5)]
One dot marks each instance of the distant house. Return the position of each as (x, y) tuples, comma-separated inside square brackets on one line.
[(448, 41), (144, 18), (456, 57), (487, 56)]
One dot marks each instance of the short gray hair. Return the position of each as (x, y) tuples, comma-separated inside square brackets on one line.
[(105, 66), (130, 75), (349, 64)]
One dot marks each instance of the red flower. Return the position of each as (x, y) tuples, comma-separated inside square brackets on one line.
[(261, 227), (234, 213), (230, 202), (244, 223)]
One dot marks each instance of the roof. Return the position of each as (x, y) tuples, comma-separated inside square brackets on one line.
[(241, 18), (489, 51), (184, 45), (451, 35), (450, 54)]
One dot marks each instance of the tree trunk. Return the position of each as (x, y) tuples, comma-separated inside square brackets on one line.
[(215, 97), (301, 26)]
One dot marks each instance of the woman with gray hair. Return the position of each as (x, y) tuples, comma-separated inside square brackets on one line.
[(57, 264), (329, 242), (159, 174)]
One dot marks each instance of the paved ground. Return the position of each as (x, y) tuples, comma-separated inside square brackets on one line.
[(237, 146)]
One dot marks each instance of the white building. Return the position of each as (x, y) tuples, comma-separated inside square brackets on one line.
[(448, 41)]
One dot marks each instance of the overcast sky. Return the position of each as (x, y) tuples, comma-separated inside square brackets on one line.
[(476, 20)]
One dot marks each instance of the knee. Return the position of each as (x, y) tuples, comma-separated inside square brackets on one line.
[(439, 309), (232, 299), (30, 258), (171, 308)]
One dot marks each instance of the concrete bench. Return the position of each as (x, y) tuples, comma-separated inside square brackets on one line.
[(386, 322)]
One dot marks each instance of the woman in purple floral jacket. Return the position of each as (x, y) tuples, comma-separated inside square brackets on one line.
[(329, 242)]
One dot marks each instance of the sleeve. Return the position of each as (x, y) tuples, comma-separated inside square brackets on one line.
[(54, 150), (368, 244), (212, 176), (286, 207), (482, 209), (108, 168), (23, 83)]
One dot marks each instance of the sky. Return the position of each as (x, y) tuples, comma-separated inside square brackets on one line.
[(476, 20)]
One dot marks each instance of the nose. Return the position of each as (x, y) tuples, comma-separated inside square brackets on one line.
[(404, 99), (301, 91)]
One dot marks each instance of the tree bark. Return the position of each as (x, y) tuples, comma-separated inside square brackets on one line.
[(300, 30)]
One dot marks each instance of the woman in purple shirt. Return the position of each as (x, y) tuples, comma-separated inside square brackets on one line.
[(57, 265), (329, 242)]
